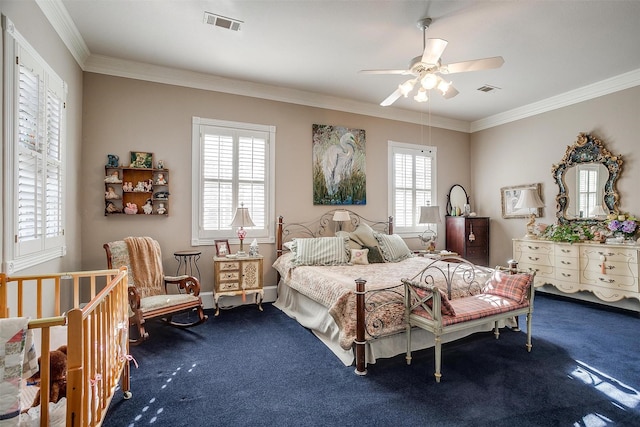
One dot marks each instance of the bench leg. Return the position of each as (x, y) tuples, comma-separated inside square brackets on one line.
[(408, 356), (496, 330), (438, 349), (529, 332)]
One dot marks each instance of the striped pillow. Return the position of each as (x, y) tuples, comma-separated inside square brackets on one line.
[(321, 251), (393, 247)]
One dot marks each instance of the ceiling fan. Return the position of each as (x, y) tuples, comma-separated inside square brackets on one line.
[(428, 70)]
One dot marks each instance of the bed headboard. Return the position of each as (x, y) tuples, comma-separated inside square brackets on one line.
[(324, 227)]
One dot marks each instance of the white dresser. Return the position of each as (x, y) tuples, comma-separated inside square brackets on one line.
[(610, 272)]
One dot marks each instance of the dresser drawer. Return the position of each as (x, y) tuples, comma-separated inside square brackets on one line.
[(537, 253), (610, 254), (229, 265), (542, 271), (568, 275), (228, 286)]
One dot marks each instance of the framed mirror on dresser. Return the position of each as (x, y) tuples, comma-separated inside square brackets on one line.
[(574, 257)]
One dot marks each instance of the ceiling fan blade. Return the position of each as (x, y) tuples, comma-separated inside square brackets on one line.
[(391, 98), (403, 72), (433, 49), (473, 65), (450, 93)]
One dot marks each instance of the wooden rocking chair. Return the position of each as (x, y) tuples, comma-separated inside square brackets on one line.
[(148, 294)]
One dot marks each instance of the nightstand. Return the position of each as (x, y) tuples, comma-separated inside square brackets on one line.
[(238, 276)]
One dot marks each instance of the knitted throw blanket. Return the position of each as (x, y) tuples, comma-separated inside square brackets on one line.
[(146, 265)]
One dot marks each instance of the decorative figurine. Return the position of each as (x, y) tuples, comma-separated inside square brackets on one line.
[(113, 178), (131, 209), (111, 194), (112, 160), (161, 209), (161, 195), (160, 180), (111, 208), (160, 164), (148, 207)]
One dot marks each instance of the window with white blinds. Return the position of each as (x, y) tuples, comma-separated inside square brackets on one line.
[(587, 185), (233, 166), (412, 183), (34, 156)]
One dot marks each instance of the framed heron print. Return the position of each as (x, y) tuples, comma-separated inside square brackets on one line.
[(339, 176)]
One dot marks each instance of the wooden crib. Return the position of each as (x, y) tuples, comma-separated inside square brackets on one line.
[(97, 330)]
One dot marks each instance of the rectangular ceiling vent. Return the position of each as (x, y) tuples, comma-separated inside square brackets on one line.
[(222, 21), (488, 88)]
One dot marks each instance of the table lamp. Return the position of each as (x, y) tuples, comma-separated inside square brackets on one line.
[(241, 220), (429, 215), (339, 217), (529, 199)]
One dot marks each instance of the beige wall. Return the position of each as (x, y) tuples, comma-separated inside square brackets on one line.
[(523, 152), (122, 115), (35, 28)]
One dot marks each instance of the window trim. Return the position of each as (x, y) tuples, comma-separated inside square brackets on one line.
[(48, 248), (392, 147), (268, 236)]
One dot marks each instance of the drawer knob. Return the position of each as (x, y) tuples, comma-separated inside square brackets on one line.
[(566, 274), (534, 258), (534, 248), (565, 262), (566, 251), (606, 280)]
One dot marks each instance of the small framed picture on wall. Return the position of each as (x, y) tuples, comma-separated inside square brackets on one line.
[(222, 248)]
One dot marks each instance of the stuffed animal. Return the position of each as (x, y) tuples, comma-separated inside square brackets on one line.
[(57, 377)]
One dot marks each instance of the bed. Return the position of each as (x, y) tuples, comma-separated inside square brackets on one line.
[(356, 307), (97, 355)]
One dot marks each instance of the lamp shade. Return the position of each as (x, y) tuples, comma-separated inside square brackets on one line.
[(429, 215), (242, 218), (341, 216), (529, 199)]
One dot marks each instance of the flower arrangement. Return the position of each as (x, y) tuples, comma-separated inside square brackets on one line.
[(622, 223), (571, 233)]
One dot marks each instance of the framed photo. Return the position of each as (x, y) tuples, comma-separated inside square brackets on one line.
[(222, 248), (509, 197), (140, 159)]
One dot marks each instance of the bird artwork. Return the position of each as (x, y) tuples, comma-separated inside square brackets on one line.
[(339, 165)]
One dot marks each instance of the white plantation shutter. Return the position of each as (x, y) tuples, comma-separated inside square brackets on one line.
[(35, 134), (587, 185), (233, 165), (412, 183)]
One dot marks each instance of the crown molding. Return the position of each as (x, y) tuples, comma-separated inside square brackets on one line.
[(61, 21), (177, 77), (585, 93)]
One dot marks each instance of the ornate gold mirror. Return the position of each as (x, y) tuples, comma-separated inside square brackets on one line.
[(586, 179)]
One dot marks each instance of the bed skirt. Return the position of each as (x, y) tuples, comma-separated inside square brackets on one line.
[(315, 317)]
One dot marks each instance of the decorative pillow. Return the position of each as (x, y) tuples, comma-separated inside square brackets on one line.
[(353, 244), (393, 247), (512, 286), (359, 256), (321, 251), (288, 245), (364, 235), (445, 307), (374, 256)]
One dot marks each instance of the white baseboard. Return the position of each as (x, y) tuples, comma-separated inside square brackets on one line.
[(270, 295)]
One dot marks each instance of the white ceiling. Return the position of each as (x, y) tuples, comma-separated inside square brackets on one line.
[(554, 51)]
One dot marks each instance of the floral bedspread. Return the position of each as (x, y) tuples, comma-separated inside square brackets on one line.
[(334, 288)]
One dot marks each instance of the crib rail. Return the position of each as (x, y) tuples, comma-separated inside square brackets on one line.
[(97, 331)]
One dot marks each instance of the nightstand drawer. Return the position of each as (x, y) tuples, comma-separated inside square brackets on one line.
[(229, 265), (229, 275), (228, 286)]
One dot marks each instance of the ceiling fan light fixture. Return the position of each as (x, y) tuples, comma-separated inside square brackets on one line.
[(406, 87), (443, 86), (421, 96), (429, 81)]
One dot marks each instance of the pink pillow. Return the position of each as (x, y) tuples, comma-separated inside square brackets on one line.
[(512, 286), (445, 307)]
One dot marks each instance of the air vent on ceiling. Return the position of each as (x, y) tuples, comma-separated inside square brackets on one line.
[(488, 88), (222, 21)]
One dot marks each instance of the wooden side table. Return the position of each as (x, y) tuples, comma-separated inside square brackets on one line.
[(238, 276)]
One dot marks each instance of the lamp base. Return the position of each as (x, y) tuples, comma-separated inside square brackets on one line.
[(241, 254)]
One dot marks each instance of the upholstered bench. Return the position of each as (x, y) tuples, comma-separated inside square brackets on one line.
[(503, 296)]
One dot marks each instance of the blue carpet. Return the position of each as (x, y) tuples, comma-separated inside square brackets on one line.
[(254, 368)]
